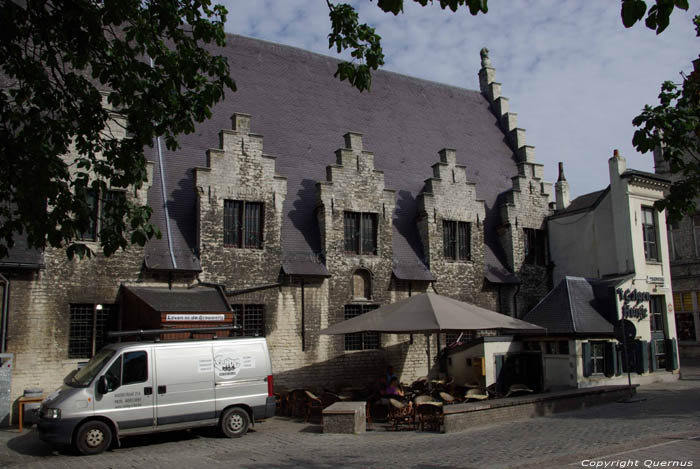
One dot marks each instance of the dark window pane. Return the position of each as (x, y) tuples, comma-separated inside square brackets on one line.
[(114, 374), (253, 225), (135, 368), (656, 310), (251, 318), (91, 233), (685, 325), (649, 234), (369, 233), (360, 340), (80, 328), (352, 232), (449, 239), (109, 207)]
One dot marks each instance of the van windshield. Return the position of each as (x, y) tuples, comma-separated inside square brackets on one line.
[(86, 374)]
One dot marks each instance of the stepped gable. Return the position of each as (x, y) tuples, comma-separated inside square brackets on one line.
[(303, 111)]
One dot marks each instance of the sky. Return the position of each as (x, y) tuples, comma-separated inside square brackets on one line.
[(572, 72)]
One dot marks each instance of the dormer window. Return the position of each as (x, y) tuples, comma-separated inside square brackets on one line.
[(360, 233), (243, 224), (456, 237)]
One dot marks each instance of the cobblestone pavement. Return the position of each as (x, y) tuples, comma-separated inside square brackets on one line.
[(665, 426)]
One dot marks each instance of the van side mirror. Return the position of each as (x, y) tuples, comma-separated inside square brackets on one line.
[(102, 386)]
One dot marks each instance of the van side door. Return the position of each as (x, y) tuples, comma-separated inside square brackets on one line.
[(128, 397), (184, 385)]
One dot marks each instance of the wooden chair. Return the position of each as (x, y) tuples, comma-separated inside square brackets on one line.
[(517, 390), (313, 402), (475, 395), (400, 414), (447, 398), (429, 415)]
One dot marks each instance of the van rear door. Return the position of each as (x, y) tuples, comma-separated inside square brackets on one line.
[(184, 384)]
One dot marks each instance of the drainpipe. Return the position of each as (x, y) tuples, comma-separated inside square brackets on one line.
[(5, 311), (303, 318)]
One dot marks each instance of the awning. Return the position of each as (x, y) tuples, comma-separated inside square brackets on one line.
[(185, 300)]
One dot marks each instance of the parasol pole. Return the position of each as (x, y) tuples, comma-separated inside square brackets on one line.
[(427, 351)]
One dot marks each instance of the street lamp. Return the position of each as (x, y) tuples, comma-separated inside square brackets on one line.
[(98, 307)]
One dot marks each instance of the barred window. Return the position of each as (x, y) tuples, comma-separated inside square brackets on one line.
[(83, 317), (535, 244), (649, 234), (360, 340), (243, 224), (251, 318), (456, 237), (360, 232), (685, 320), (463, 337)]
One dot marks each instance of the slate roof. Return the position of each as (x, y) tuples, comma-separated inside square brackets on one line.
[(583, 203), (303, 112), (577, 306), (204, 300), (23, 257), (654, 177)]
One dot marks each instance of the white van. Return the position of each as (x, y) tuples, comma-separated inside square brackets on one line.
[(144, 387)]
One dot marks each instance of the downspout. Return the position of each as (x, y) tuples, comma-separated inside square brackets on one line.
[(165, 199), (303, 318), (5, 312)]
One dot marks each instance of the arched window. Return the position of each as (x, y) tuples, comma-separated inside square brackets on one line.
[(361, 285)]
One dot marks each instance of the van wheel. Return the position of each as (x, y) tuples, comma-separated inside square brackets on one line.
[(235, 422), (93, 437)]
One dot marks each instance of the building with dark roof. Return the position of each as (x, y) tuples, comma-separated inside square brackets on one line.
[(306, 202)]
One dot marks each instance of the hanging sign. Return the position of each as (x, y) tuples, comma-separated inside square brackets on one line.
[(655, 280), (195, 317), (632, 306)]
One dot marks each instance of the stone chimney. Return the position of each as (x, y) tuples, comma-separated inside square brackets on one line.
[(562, 189), (617, 165)]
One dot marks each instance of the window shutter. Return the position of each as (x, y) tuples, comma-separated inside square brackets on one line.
[(499, 368), (610, 359), (586, 357), (671, 355), (618, 361), (642, 356)]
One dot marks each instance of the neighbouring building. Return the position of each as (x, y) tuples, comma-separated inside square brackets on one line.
[(610, 264), (684, 255), (349, 201)]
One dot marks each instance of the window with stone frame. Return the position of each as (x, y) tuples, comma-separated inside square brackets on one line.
[(535, 246), (685, 318), (456, 240), (651, 250), (88, 327), (251, 319), (243, 224), (360, 340), (360, 233), (696, 234), (101, 209), (674, 243)]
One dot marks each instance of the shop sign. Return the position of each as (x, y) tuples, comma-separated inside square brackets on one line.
[(655, 280), (195, 317), (632, 306)]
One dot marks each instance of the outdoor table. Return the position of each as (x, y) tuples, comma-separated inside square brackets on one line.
[(21, 402)]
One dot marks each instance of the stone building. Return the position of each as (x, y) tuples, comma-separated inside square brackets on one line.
[(349, 201)]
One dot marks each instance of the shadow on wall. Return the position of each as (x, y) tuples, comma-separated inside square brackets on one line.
[(359, 368)]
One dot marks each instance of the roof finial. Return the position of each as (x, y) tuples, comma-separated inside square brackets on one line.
[(485, 61), (561, 172)]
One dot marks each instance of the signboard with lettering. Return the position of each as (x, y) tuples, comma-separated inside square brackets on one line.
[(632, 303), (195, 317)]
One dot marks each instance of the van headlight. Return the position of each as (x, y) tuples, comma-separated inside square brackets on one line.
[(52, 414)]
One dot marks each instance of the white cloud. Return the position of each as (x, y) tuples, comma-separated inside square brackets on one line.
[(575, 76)]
